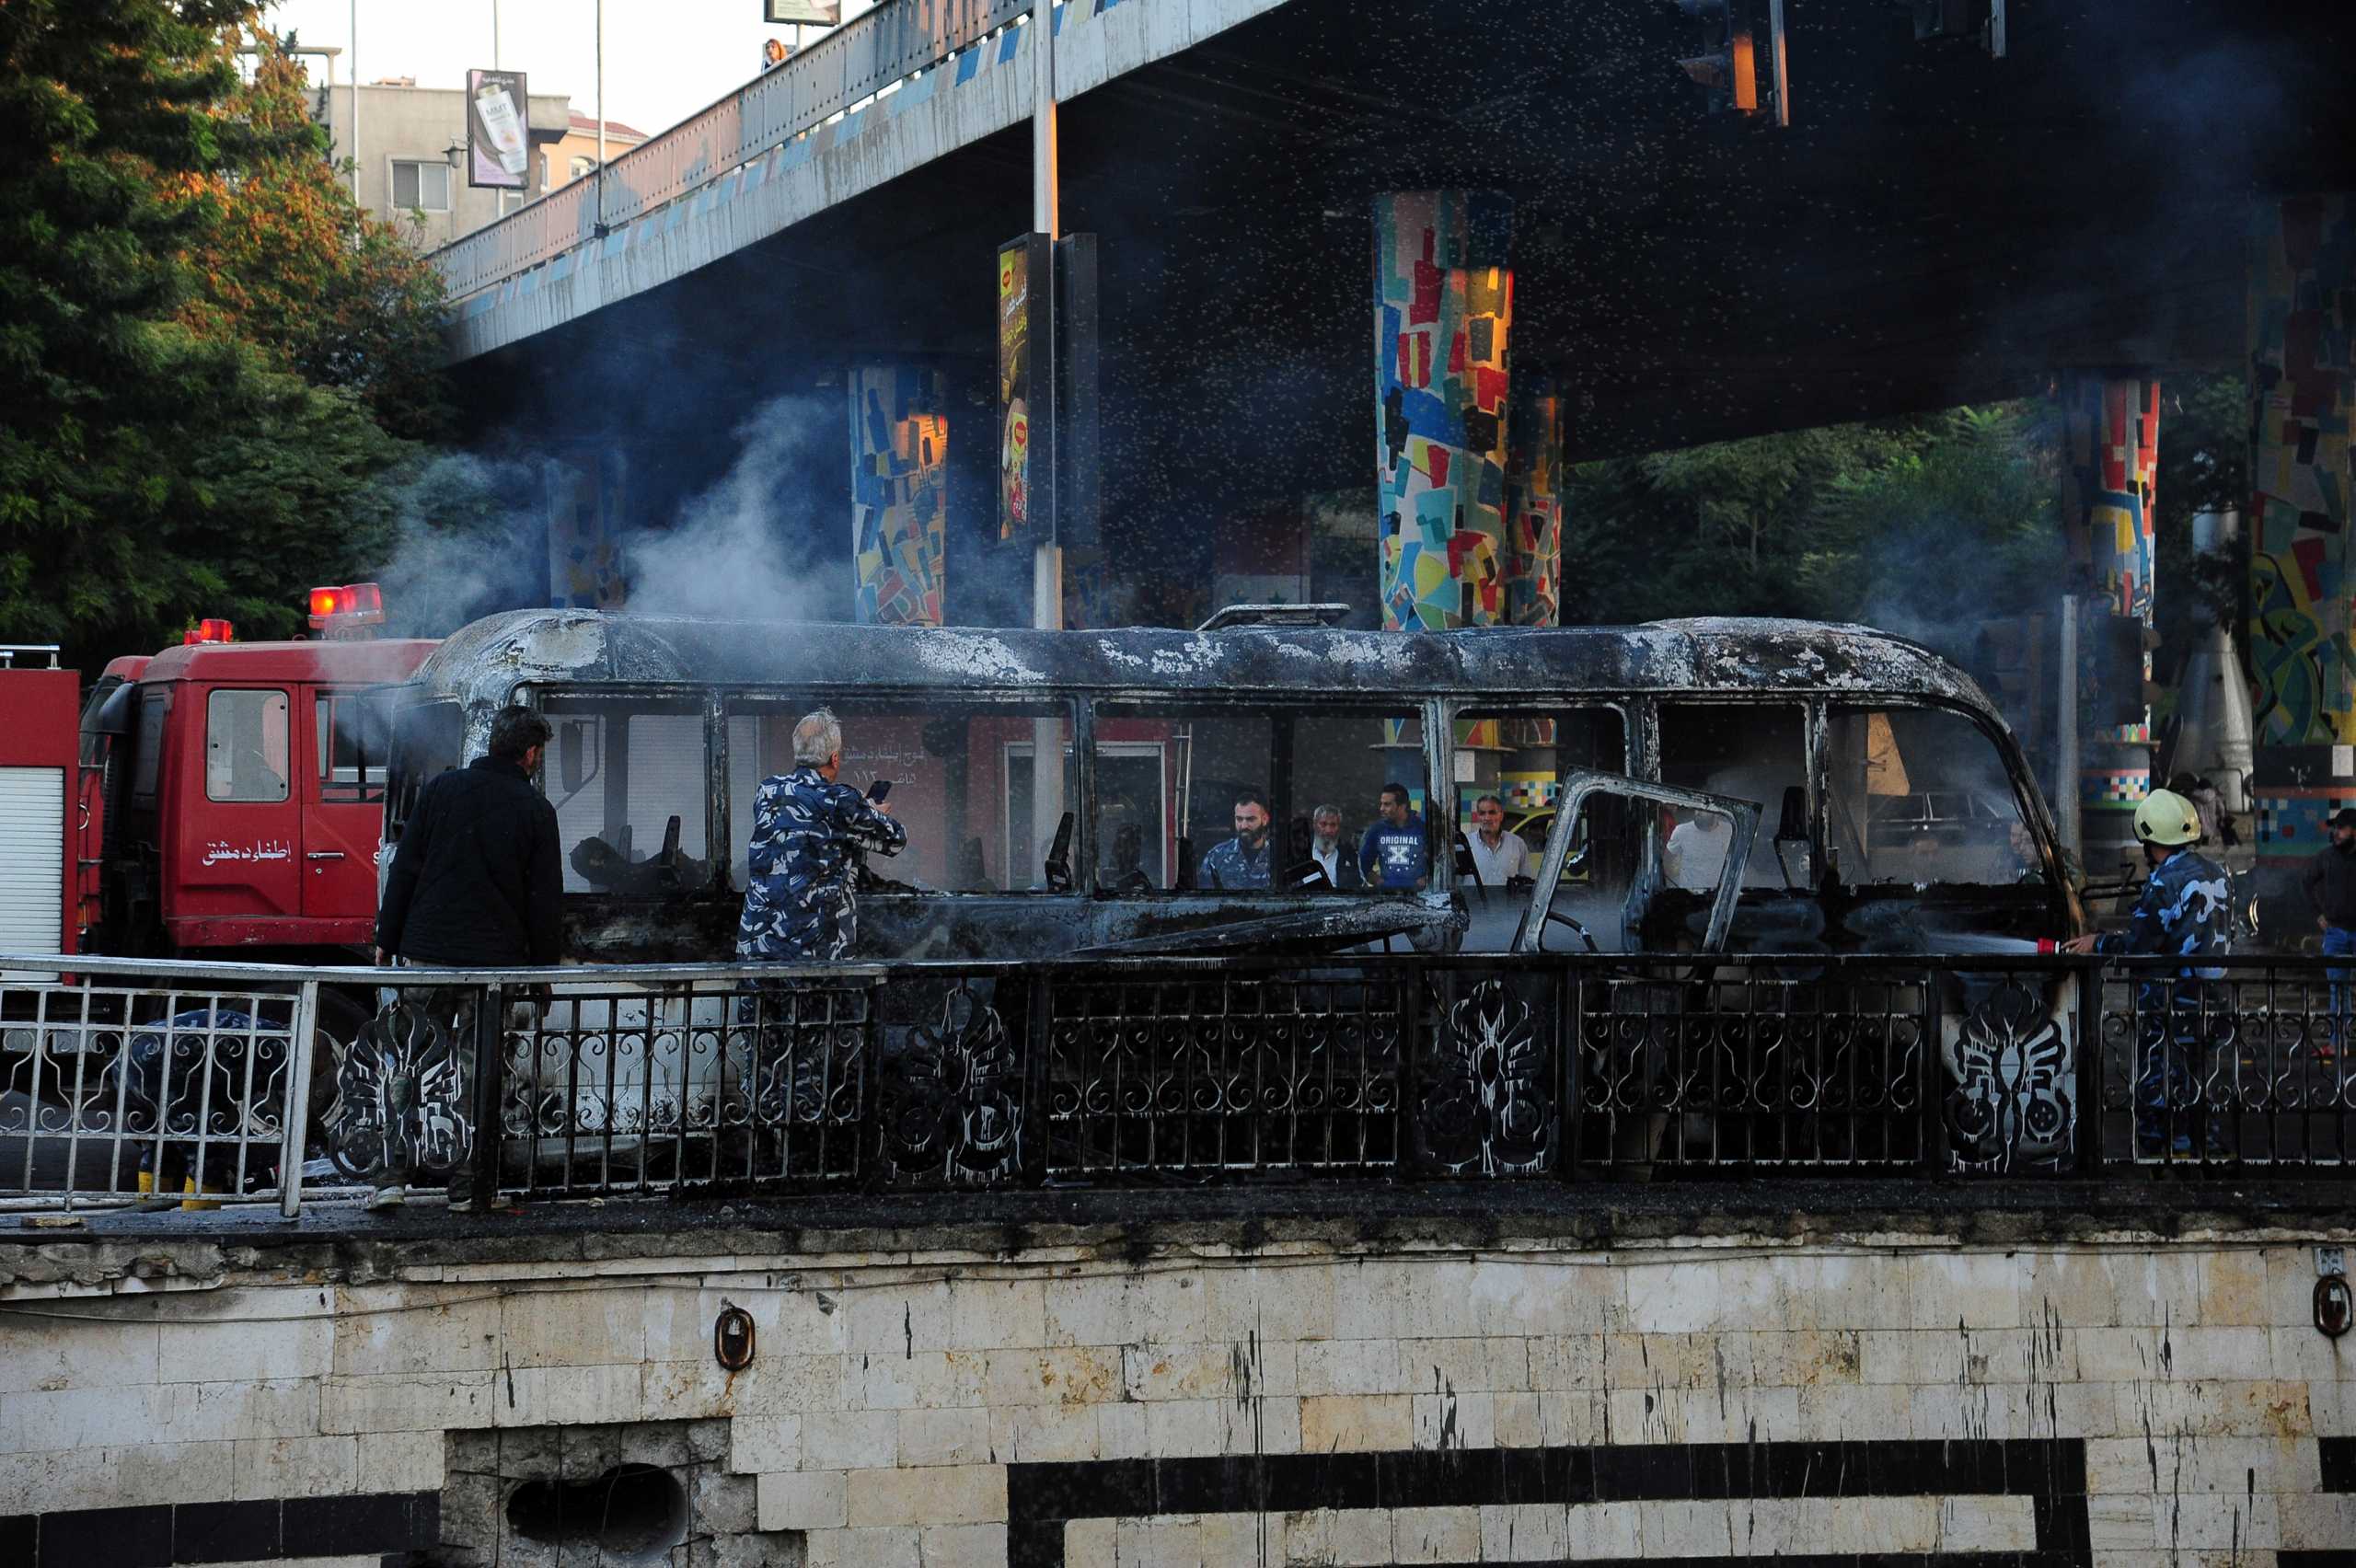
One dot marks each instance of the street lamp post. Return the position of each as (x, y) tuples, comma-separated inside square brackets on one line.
[(356, 103), (601, 116)]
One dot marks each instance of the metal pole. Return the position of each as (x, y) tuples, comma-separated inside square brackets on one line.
[(601, 116), (355, 105), (295, 1114), (1047, 563), (2065, 747)]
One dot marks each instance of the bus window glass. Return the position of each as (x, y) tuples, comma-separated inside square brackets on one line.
[(350, 731), (245, 745), (1920, 795), (627, 777), (153, 708), (1230, 799), (965, 783), (1755, 752)]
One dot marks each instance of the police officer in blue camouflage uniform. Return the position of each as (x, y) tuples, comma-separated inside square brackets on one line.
[(2185, 913), (1243, 860), (799, 902)]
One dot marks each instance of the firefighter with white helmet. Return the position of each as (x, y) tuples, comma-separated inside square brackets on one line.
[(2184, 914)]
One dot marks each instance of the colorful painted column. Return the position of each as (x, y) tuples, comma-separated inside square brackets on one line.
[(1534, 503), (899, 448), (2111, 464), (2301, 326), (1443, 318)]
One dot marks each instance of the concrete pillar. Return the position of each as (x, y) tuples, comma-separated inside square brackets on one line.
[(2302, 339), (2303, 395), (2112, 433), (1443, 312), (585, 484), (899, 448), (2110, 461), (1534, 503)]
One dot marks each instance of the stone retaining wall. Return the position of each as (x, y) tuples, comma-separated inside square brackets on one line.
[(2130, 1401)]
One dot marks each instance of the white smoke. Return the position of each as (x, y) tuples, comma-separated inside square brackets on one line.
[(748, 547), (470, 541), (471, 534)]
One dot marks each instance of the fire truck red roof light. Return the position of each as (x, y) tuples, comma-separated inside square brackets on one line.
[(357, 603), (212, 630)]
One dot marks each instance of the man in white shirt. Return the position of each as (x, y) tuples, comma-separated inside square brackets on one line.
[(1696, 851), (1497, 854), (1325, 848)]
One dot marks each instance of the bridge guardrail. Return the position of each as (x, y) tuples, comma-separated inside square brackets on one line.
[(888, 44), (642, 1080)]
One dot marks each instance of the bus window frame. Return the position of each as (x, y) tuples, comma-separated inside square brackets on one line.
[(1438, 849), (1077, 714), (705, 701), (2064, 903)]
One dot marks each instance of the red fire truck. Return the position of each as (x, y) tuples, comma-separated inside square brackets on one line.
[(220, 795)]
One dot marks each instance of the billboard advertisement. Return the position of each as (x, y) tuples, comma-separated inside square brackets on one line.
[(499, 153), (1015, 385), (810, 13)]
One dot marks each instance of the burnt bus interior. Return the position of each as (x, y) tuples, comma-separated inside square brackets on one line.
[(1882, 824)]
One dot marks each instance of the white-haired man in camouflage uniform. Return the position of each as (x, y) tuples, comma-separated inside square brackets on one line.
[(799, 901)]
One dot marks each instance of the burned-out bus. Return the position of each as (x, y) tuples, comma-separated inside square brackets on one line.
[(1761, 786)]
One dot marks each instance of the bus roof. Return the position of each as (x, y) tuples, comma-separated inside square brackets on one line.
[(373, 661), (483, 663)]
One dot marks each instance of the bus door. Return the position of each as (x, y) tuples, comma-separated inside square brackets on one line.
[(343, 804), (1603, 820), (240, 843)]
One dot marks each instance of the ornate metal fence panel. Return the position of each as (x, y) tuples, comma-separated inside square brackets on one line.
[(707, 1082), (1737, 1065), (1488, 1081), (115, 1091), (2238, 1064), (1191, 1072), (952, 1090)]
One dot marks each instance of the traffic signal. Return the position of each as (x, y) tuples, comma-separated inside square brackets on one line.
[(1740, 63), (1973, 21)]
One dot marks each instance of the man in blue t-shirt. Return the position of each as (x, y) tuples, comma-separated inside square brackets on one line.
[(1392, 853)]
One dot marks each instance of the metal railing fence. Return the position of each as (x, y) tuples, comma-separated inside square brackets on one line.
[(870, 52), (658, 1080)]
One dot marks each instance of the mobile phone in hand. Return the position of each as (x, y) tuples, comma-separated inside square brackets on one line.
[(879, 790)]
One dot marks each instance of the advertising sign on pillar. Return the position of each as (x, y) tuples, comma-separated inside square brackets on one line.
[(498, 129), (804, 13), (1022, 382)]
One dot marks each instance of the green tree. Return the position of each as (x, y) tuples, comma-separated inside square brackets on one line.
[(1964, 527), (164, 455)]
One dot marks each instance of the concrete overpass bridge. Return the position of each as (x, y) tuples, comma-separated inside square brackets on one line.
[(2121, 197)]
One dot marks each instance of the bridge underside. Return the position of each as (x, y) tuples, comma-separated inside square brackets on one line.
[(1936, 227)]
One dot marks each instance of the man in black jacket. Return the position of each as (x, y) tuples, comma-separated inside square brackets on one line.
[(476, 883), (2331, 888), (478, 876)]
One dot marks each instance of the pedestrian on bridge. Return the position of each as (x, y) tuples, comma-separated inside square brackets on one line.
[(2331, 888)]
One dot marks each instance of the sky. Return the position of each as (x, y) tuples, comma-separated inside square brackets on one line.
[(665, 59)]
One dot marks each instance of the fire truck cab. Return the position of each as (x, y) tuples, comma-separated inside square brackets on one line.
[(240, 797)]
